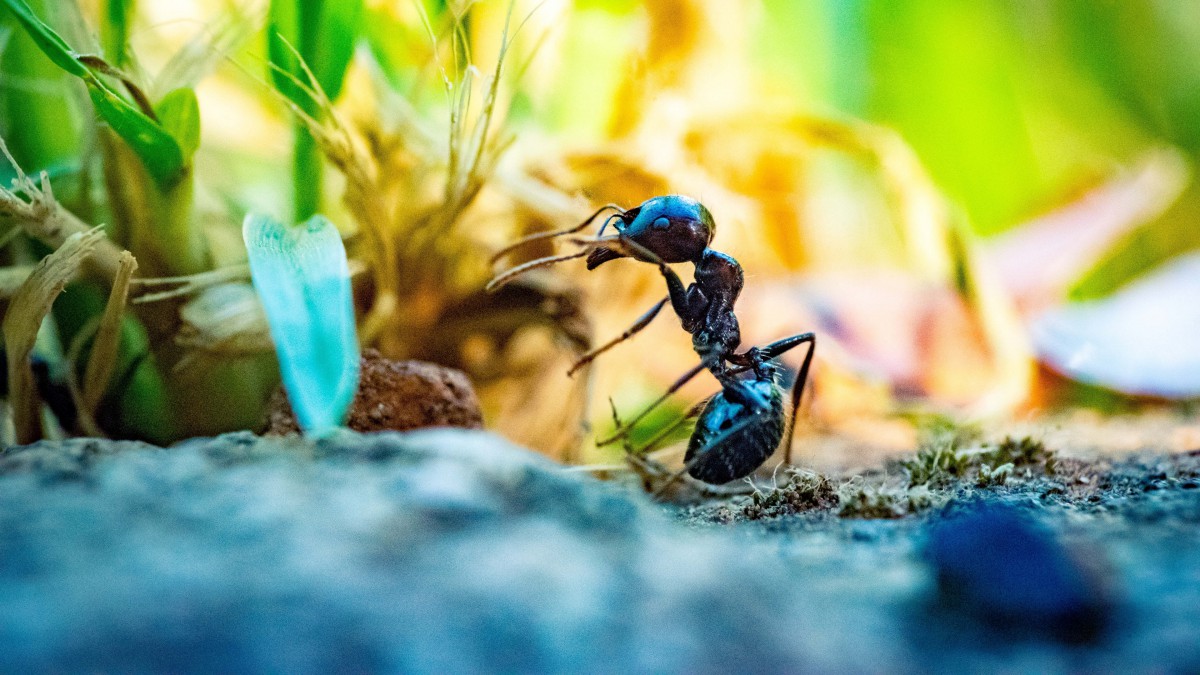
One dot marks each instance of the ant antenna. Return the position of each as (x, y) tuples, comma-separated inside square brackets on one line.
[(540, 236), (508, 275), (604, 225)]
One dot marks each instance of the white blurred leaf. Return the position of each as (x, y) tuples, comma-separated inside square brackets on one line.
[(1039, 261), (1144, 339)]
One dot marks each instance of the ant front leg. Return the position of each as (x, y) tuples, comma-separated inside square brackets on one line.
[(689, 302), (506, 276), (643, 321)]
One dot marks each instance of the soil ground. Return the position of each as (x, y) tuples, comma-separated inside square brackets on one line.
[(453, 550)]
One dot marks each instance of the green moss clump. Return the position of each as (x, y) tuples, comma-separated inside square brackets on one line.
[(941, 459), (986, 476), (946, 458), (859, 499), (1024, 453), (804, 491), (951, 462)]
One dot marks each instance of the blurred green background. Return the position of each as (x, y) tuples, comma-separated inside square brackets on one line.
[(1015, 109), (1014, 106)]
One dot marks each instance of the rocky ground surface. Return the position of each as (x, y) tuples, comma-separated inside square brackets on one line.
[(451, 550)]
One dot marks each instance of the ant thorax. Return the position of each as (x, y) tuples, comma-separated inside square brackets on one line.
[(719, 274), (711, 321)]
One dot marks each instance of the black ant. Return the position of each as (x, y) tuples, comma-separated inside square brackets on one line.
[(741, 426)]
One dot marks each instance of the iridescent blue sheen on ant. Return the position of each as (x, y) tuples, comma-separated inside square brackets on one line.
[(674, 228)]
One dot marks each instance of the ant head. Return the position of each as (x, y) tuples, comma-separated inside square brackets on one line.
[(673, 227)]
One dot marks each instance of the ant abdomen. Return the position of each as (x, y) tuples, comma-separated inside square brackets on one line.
[(731, 440)]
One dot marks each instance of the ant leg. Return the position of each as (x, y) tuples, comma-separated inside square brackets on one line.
[(637, 326), (780, 347), (628, 427), (774, 350), (675, 288), (657, 438), (586, 246), (557, 233), (512, 273)]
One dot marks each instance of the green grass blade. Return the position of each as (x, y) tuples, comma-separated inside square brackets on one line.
[(303, 279), (49, 135), (307, 174), (118, 14), (283, 35), (322, 33), (332, 35), (309, 39)]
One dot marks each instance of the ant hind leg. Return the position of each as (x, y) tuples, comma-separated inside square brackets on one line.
[(776, 349), (624, 430)]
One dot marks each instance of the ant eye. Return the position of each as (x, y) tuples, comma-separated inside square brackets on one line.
[(661, 223)]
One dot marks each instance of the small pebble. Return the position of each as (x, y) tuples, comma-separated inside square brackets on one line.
[(396, 396)]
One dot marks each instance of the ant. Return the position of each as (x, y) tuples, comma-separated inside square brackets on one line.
[(741, 426)]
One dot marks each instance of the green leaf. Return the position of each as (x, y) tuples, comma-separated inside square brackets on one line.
[(154, 146), (303, 280), (50, 43), (179, 114), (141, 403)]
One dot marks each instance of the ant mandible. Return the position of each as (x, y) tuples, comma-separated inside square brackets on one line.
[(741, 426)]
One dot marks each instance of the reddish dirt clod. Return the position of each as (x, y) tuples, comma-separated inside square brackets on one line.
[(396, 396)]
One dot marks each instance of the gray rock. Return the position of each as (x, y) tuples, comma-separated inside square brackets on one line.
[(432, 551), (451, 550)]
